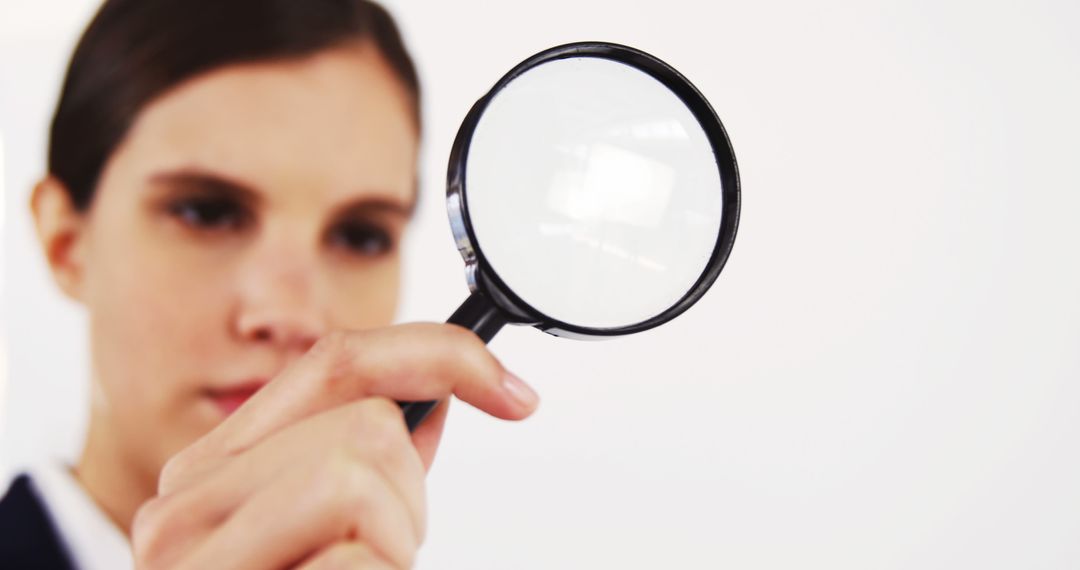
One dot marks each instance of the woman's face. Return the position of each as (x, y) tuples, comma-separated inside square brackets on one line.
[(247, 212)]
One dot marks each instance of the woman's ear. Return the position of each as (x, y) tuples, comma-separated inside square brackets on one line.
[(61, 233)]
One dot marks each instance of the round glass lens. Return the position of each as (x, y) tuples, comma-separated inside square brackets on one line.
[(593, 192)]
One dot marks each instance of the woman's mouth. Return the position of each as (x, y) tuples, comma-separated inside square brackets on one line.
[(229, 398)]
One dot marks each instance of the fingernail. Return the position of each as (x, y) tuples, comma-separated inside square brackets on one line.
[(520, 391)]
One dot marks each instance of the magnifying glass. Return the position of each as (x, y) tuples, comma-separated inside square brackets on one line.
[(593, 193)]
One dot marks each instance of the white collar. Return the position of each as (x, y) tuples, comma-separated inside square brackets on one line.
[(92, 540)]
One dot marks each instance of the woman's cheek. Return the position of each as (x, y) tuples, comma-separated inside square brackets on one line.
[(158, 309), (367, 297)]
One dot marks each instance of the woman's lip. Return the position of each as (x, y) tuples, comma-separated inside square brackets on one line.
[(230, 398)]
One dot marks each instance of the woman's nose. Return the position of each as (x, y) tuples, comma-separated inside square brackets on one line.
[(278, 303), (284, 328)]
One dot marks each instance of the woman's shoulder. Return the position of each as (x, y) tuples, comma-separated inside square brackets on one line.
[(28, 538)]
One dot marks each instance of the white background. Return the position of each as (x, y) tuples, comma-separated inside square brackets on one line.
[(886, 375)]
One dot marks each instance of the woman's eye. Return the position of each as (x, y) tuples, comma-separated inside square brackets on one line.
[(211, 214), (362, 239)]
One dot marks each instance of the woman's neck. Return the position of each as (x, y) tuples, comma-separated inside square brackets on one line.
[(117, 484)]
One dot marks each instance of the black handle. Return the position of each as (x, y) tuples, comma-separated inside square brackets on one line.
[(477, 314)]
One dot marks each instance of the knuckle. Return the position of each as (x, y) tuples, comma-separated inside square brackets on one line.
[(149, 532), (382, 428), (333, 356), (464, 349), (341, 484), (330, 344), (383, 446), (190, 465), (350, 491), (354, 490), (330, 350), (461, 338), (172, 472)]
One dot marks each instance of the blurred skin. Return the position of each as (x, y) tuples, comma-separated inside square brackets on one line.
[(249, 212)]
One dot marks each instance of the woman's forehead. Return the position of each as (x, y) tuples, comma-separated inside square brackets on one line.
[(335, 122)]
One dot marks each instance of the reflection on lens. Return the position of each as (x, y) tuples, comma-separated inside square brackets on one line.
[(614, 185)]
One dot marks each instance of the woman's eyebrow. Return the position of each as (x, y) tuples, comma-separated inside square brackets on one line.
[(207, 182), (376, 204), (201, 180)]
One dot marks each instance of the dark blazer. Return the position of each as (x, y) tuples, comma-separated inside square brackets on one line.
[(28, 538)]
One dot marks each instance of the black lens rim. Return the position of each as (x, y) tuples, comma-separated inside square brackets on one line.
[(479, 272)]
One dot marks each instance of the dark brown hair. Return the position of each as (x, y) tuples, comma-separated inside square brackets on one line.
[(135, 50)]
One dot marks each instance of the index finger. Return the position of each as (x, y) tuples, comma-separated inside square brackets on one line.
[(421, 361)]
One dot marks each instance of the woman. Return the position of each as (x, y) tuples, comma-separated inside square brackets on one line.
[(228, 184)]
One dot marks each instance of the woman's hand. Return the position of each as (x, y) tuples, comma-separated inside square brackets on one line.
[(318, 468)]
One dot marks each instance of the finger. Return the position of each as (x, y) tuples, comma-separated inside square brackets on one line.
[(299, 514), (406, 362), (370, 430), (414, 362), (349, 554)]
